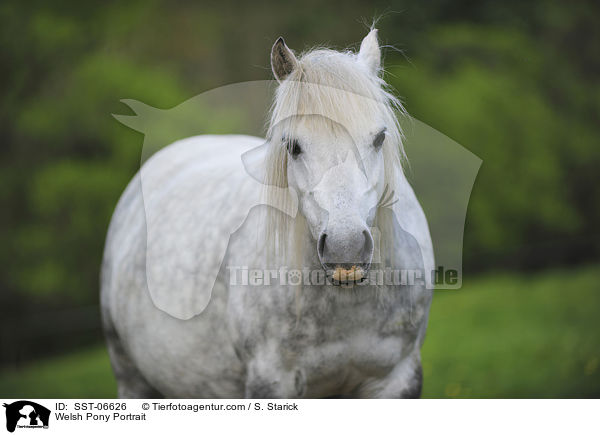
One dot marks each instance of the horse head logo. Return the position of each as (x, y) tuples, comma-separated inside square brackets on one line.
[(26, 413), (441, 172)]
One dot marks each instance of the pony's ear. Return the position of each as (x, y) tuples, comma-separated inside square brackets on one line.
[(283, 60), (369, 53)]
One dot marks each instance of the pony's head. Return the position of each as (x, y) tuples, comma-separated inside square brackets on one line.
[(335, 140)]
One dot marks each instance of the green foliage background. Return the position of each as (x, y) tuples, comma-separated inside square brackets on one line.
[(517, 83)]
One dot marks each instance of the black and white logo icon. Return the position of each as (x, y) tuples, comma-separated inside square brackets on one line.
[(26, 414)]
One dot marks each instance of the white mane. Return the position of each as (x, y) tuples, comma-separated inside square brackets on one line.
[(344, 92)]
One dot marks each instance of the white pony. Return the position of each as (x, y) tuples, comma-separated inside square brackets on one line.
[(333, 153)]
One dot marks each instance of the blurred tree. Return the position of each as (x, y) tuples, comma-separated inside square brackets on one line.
[(488, 89)]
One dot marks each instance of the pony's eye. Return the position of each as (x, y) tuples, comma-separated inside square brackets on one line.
[(379, 138), (293, 147)]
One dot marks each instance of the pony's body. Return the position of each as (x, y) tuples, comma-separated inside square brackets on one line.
[(277, 340)]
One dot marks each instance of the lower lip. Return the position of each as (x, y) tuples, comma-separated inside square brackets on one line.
[(355, 274)]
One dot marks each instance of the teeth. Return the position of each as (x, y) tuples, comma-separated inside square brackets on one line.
[(344, 275)]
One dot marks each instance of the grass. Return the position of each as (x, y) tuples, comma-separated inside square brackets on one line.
[(528, 336), (82, 374), (506, 336)]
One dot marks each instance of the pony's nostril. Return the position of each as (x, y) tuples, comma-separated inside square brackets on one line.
[(321, 245), (368, 248), (368, 241)]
